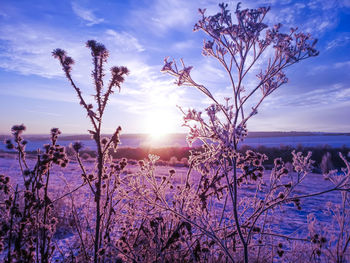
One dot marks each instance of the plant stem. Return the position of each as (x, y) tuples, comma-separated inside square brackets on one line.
[(98, 193)]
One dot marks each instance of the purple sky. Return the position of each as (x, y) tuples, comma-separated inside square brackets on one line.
[(139, 34)]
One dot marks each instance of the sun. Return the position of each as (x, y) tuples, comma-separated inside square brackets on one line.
[(159, 123)]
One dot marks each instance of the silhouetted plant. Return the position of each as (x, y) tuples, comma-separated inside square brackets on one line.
[(103, 184)]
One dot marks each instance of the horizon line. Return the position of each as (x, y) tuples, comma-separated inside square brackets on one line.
[(172, 133)]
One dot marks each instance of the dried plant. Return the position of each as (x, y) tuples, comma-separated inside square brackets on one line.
[(248, 202), (104, 182), (27, 220)]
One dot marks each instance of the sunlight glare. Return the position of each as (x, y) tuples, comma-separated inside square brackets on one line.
[(159, 124)]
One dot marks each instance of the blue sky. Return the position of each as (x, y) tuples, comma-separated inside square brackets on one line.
[(139, 34)]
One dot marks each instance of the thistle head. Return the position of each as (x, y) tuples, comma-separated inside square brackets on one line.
[(65, 60), (77, 146), (58, 53), (97, 49), (118, 74), (18, 128)]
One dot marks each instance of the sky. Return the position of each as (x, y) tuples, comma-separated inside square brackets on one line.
[(140, 34)]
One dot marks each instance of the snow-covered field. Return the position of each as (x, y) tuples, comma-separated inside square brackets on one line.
[(287, 220), (66, 179)]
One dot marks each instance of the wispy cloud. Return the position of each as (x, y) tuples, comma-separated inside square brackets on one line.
[(44, 113), (328, 118), (338, 42), (335, 94), (26, 48), (147, 89), (342, 64), (320, 69), (181, 46), (162, 16), (40, 92), (86, 14), (124, 40), (297, 14)]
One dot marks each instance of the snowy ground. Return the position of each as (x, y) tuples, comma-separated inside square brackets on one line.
[(290, 221), (71, 175)]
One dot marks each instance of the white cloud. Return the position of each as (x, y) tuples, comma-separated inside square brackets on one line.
[(27, 49), (341, 64), (183, 45), (335, 94), (315, 17), (299, 5), (163, 15), (321, 68), (86, 14), (324, 25), (170, 14), (328, 118), (124, 40), (40, 113), (39, 92), (338, 42)]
